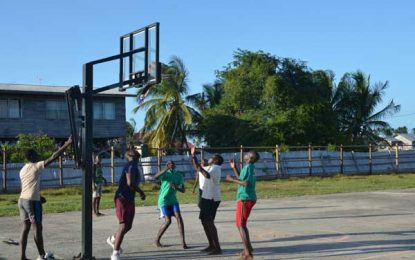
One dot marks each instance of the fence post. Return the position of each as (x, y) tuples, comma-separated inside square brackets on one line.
[(370, 158), (241, 157), (277, 160), (112, 166), (310, 162), (397, 158), (4, 170), (341, 160), (60, 171), (158, 160), (202, 154)]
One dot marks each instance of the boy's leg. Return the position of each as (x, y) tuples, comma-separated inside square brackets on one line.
[(23, 239), (37, 226), (243, 231), (181, 227), (125, 211), (123, 228), (163, 228), (98, 198), (97, 205), (243, 210), (94, 205), (215, 206), (38, 236), (211, 246), (215, 239), (210, 213), (203, 216)]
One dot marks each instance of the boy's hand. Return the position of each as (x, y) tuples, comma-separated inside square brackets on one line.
[(232, 163), (172, 185), (69, 140), (142, 195), (229, 178), (193, 150)]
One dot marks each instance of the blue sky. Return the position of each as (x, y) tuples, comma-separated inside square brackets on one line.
[(46, 42)]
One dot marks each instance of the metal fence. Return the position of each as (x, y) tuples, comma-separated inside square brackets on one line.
[(275, 162)]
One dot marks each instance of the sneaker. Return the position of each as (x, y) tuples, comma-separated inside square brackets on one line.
[(111, 242), (115, 256), (47, 256)]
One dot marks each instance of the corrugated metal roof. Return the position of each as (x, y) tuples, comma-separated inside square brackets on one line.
[(51, 90), (409, 137)]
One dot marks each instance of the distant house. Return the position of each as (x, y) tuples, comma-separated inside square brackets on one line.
[(26, 109), (392, 141), (408, 141)]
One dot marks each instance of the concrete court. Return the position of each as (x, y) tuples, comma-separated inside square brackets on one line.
[(368, 225)]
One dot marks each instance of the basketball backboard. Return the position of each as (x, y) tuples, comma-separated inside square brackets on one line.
[(139, 62), (74, 100)]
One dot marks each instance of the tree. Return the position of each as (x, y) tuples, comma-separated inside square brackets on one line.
[(355, 101), (401, 130), (130, 126), (268, 100), (41, 143), (208, 98), (168, 114)]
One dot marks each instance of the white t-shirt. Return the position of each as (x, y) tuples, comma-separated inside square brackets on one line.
[(211, 186), (30, 179), (201, 179)]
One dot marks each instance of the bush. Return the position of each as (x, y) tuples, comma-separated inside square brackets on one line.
[(41, 143)]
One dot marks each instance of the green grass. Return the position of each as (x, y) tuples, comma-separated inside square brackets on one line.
[(69, 199)]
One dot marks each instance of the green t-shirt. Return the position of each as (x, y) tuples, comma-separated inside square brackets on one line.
[(248, 192), (99, 175), (167, 195)]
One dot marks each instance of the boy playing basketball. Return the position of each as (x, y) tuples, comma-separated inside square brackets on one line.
[(246, 198), (171, 180), (30, 204)]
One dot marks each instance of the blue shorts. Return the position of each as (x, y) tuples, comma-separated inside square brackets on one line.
[(168, 211)]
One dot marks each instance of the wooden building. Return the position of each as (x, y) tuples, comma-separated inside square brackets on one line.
[(28, 109)]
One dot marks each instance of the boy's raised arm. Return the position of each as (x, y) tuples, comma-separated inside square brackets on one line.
[(234, 168), (56, 154), (160, 173), (196, 164)]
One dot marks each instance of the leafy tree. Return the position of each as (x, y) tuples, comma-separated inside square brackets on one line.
[(355, 101), (208, 98), (168, 114), (268, 100), (401, 130), (41, 143)]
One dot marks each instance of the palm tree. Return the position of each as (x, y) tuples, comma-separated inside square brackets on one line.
[(208, 98), (167, 114), (354, 101)]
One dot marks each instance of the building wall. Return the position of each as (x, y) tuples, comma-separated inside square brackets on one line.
[(34, 118)]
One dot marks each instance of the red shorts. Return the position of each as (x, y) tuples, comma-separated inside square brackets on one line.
[(125, 211), (243, 209)]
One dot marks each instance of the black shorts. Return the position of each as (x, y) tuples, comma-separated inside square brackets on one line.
[(208, 209)]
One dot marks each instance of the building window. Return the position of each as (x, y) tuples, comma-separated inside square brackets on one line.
[(104, 110), (10, 108), (56, 109)]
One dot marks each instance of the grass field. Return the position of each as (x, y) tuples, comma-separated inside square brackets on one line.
[(69, 199)]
